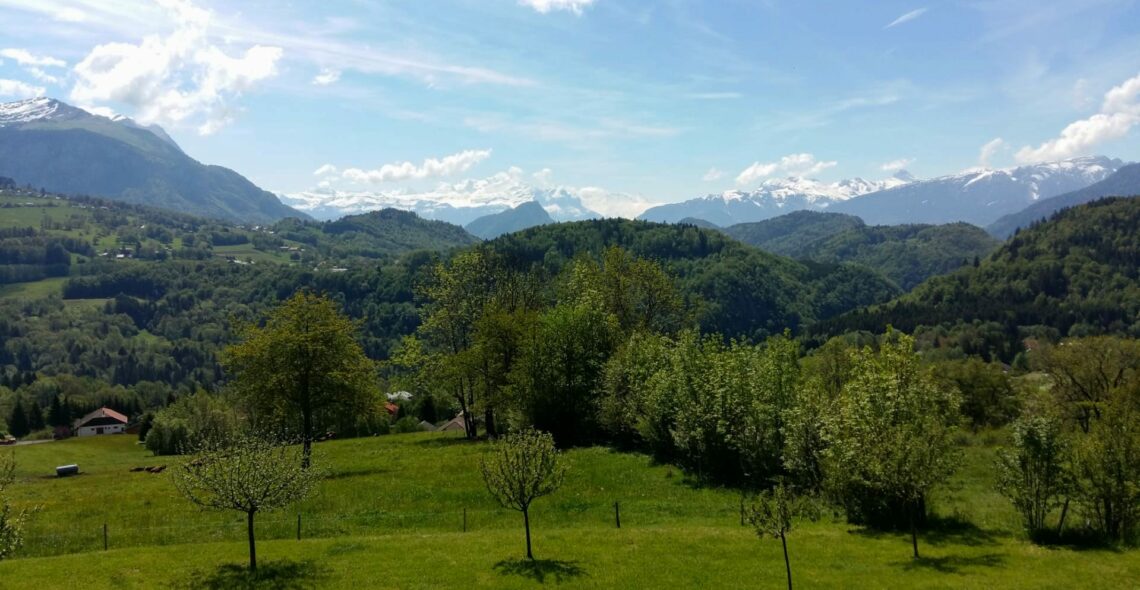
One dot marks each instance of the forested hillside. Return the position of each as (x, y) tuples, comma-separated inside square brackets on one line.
[(906, 254), (1074, 275), (733, 289)]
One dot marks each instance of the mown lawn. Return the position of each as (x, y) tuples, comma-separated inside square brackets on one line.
[(390, 514)]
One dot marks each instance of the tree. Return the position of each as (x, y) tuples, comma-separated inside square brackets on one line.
[(521, 468), (1107, 461), (304, 363), (12, 522), (35, 417), (18, 420), (772, 513), (890, 435), (1032, 475), (1085, 371), (245, 473)]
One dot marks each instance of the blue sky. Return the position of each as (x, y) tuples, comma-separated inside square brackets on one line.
[(645, 101)]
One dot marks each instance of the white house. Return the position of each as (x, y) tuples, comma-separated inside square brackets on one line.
[(101, 421)]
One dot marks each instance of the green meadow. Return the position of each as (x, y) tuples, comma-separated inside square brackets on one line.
[(390, 513)]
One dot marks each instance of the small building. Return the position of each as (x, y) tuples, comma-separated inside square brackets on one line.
[(101, 421)]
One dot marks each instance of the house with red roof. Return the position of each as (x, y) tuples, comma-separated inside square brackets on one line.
[(101, 421)]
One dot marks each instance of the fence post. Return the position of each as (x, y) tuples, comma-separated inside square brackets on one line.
[(298, 526), (104, 536), (465, 519), (617, 514), (741, 509)]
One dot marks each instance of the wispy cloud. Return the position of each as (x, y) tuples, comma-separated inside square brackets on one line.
[(326, 76), (712, 174), (989, 150), (27, 58), (430, 168), (790, 165), (896, 165), (547, 6), (1118, 114), (906, 18), (18, 89)]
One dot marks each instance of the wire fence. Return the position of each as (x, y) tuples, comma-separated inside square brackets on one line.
[(299, 525)]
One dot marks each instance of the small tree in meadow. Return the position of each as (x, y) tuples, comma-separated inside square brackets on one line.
[(521, 468), (12, 522), (772, 514), (1032, 475), (246, 473)]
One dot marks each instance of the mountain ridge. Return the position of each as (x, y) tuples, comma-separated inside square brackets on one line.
[(63, 149)]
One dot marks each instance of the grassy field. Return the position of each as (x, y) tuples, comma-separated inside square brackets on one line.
[(390, 514)]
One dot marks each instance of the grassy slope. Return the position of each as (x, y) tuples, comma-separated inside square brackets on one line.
[(390, 516)]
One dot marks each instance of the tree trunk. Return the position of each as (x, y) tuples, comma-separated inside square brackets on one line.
[(489, 422), (526, 524), (787, 563), (252, 543), (1061, 523), (914, 530), (306, 438)]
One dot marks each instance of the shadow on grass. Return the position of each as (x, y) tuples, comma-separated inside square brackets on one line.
[(941, 531), (1076, 539), (446, 440), (347, 473), (952, 564), (271, 575), (540, 569)]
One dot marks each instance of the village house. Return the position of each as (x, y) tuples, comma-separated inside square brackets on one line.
[(101, 421)]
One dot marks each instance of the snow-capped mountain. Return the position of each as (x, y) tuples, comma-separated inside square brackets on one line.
[(978, 196), (65, 149), (37, 109), (458, 203), (772, 198)]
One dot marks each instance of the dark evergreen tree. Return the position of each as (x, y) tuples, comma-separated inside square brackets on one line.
[(18, 421), (35, 417)]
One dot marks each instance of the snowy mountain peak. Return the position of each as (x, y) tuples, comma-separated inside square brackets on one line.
[(26, 111)]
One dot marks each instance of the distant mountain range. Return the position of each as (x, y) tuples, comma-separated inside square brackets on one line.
[(773, 198), (978, 196), (63, 149), (459, 203), (1124, 183)]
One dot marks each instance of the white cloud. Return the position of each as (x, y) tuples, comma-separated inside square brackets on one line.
[(790, 165), (989, 150), (906, 18), (545, 6), (326, 77), (26, 58), (42, 76), (325, 170), (179, 78), (1119, 113), (18, 89), (431, 168), (712, 174), (543, 177), (896, 165)]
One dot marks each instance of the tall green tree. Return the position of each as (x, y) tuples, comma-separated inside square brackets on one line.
[(1033, 474), (890, 435), (303, 368), (18, 420)]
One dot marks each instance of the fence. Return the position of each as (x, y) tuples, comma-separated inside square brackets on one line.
[(223, 527)]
